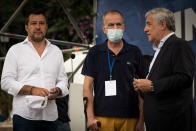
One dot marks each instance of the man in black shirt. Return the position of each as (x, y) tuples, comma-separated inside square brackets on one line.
[(63, 117)]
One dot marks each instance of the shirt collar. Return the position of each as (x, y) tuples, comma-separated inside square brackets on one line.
[(26, 41), (103, 47), (162, 42)]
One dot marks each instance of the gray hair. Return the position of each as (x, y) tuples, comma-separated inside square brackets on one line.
[(163, 14), (112, 12)]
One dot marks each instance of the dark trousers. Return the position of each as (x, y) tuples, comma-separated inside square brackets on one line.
[(63, 126), (22, 124)]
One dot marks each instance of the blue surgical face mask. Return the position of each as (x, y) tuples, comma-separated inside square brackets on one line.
[(115, 35)]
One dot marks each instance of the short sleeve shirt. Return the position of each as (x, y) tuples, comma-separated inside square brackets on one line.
[(128, 64)]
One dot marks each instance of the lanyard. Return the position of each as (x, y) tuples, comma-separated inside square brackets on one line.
[(110, 65)]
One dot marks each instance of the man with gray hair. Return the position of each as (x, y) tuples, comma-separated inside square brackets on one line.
[(167, 88)]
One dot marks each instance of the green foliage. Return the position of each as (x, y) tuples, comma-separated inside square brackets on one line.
[(59, 25), (7, 8), (5, 103), (60, 28)]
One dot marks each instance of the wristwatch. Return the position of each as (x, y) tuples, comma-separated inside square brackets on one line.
[(151, 87)]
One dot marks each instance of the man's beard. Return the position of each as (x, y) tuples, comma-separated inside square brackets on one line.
[(37, 39)]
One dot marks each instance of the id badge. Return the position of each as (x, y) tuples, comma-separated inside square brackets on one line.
[(110, 88)]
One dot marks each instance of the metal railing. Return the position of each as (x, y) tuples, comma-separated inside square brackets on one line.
[(4, 28), (83, 46), (56, 42)]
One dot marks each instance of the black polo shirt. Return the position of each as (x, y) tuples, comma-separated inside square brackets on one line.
[(128, 63)]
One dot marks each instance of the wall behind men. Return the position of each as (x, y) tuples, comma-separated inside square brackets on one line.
[(134, 15)]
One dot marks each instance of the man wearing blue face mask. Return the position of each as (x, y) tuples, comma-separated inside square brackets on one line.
[(109, 69)]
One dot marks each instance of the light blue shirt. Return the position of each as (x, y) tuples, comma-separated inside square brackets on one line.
[(157, 50)]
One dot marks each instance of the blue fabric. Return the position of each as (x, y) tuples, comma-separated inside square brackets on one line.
[(134, 18), (2, 118), (63, 126), (22, 124), (129, 61)]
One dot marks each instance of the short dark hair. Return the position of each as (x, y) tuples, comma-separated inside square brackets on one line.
[(112, 12), (35, 12)]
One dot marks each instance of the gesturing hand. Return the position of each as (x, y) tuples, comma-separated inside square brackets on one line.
[(141, 85)]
